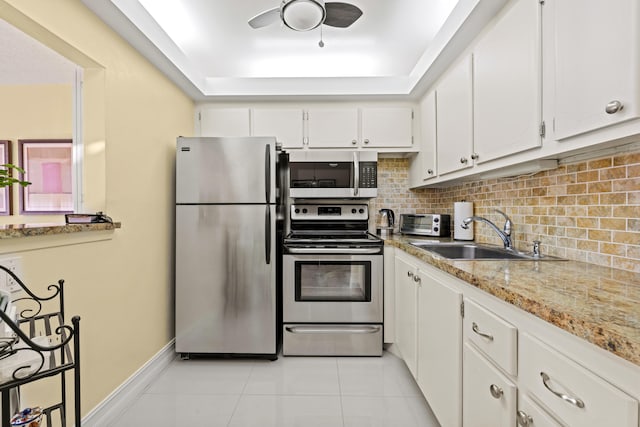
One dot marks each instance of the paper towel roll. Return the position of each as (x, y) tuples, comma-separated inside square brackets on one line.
[(462, 210)]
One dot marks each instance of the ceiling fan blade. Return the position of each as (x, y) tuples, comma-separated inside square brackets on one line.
[(341, 15), (265, 18)]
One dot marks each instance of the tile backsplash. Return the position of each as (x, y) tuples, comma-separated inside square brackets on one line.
[(584, 211)]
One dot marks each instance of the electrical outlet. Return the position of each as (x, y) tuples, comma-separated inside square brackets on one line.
[(14, 264)]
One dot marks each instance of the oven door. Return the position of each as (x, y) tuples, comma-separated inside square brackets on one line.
[(344, 288)]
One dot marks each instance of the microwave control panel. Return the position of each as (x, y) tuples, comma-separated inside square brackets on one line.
[(368, 175)]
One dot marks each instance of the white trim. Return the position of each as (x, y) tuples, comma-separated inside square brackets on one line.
[(107, 411)]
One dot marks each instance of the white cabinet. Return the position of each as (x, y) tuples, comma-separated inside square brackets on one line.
[(489, 396), (576, 395), (407, 313), (530, 414), (332, 127), (225, 122), (423, 166), (455, 118), (594, 52), (440, 348), (387, 127), (286, 124), (507, 90), (389, 294)]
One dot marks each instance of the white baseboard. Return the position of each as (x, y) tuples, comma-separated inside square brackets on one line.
[(107, 411)]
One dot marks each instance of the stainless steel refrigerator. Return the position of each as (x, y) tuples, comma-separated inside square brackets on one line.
[(227, 205)]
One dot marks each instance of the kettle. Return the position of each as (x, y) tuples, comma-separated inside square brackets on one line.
[(386, 218)]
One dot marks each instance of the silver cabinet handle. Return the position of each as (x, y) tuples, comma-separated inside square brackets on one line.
[(474, 156), (430, 171), (613, 107), (524, 419), (416, 278), (366, 141), (573, 400), (476, 329), (354, 142), (496, 391), (409, 273), (463, 160)]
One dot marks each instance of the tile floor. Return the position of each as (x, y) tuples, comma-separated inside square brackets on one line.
[(292, 391)]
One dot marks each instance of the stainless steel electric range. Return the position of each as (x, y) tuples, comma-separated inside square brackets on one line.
[(332, 282)]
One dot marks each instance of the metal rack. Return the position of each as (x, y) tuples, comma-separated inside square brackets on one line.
[(62, 353)]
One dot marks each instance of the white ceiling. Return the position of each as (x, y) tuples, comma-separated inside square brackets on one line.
[(395, 50), (26, 61)]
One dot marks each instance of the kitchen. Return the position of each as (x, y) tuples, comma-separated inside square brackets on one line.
[(158, 112)]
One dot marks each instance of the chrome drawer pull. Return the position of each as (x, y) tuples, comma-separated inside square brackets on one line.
[(496, 391), (524, 419), (573, 400), (333, 330), (474, 328)]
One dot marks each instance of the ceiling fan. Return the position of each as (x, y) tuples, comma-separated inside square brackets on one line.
[(305, 15)]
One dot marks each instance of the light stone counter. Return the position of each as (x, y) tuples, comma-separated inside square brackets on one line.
[(598, 304), (12, 231)]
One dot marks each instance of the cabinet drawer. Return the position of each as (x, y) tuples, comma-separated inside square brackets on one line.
[(576, 395), (495, 337), (489, 398), (530, 414)]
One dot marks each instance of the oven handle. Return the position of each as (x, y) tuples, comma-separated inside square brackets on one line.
[(333, 250), (333, 329)]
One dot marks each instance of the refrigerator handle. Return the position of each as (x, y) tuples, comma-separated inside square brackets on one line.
[(267, 234), (267, 173)]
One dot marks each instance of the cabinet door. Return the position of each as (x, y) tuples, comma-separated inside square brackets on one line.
[(428, 136), (531, 415), (336, 128), (489, 397), (387, 127), (440, 349), (597, 62), (507, 84), (455, 118), (406, 313), (389, 294), (225, 122), (285, 124)]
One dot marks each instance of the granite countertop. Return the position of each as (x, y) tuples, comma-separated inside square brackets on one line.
[(12, 231), (598, 304)]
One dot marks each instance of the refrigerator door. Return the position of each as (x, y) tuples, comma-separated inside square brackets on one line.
[(226, 170), (226, 279)]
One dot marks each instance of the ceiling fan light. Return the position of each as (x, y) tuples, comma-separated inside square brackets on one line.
[(303, 15)]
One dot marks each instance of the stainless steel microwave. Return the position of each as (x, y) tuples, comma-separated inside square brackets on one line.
[(330, 174)]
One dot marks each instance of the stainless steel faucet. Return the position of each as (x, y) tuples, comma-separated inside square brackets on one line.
[(505, 233)]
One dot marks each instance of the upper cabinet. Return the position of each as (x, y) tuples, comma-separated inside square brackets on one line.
[(455, 118), (422, 167), (224, 122), (593, 51), (387, 127), (286, 124), (507, 83), (332, 127)]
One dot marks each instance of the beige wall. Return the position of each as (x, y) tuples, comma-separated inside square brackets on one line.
[(585, 211), (122, 287)]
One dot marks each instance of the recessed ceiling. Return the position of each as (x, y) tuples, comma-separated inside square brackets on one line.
[(208, 47)]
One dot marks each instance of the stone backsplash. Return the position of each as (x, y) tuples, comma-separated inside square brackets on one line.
[(584, 211)]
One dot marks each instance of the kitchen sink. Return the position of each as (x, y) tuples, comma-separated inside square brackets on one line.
[(477, 252)]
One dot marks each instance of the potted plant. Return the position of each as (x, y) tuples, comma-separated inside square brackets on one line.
[(6, 175)]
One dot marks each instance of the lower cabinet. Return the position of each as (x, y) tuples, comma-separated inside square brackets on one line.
[(487, 365), (440, 348), (407, 313), (489, 396)]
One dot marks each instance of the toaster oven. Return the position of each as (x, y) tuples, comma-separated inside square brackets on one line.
[(436, 225)]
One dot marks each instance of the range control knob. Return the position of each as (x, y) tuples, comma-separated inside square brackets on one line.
[(436, 219), (353, 211), (304, 211), (435, 229), (361, 210), (296, 210)]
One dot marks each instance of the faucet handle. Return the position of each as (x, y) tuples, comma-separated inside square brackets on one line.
[(536, 248), (507, 224)]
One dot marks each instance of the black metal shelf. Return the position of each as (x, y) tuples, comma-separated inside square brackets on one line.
[(55, 359)]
